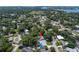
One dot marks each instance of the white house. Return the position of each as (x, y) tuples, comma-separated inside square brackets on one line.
[(77, 28), (26, 31), (10, 38), (4, 28), (60, 37)]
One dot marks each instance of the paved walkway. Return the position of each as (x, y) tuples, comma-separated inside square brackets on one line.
[(16, 45)]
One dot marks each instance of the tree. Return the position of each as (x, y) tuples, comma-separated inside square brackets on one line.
[(25, 40), (55, 30), (29, 40), (71, 45), (5, 46)]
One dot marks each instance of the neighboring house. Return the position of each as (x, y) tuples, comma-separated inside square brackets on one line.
[(76, 28), (26, 31), (22, 17), (50, 29), (10, 39), (4, 28), (60, 37)]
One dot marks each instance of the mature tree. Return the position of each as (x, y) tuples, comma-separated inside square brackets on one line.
[(5, 46)]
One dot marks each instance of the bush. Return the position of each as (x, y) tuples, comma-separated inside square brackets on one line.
[(71, 45), (58, 43), (5, 46)]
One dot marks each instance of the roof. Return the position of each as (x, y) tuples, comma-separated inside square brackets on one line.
[(26, 30), (60, 37), (77, 26)]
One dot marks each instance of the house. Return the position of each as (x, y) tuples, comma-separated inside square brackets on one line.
[(12, 14), (60, 37), (54, 23), (10, 39), (76, 28), (13, 21), (4, 28), (22, 17), (50, 29), (26, 31)]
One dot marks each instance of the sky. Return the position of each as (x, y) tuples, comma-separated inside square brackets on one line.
[(39, 3)]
